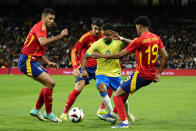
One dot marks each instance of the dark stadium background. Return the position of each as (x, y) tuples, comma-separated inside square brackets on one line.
[(173, 20)]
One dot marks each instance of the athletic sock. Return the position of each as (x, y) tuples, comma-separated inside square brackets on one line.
[(109, 92), (71, 99), (107, 102), (120, 107), (127, 107), (102, 106), (48, 99), (40, 100)]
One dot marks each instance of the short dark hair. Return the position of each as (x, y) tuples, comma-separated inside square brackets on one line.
[(107, 26), (142, 20), (97, 21), (47, 11)]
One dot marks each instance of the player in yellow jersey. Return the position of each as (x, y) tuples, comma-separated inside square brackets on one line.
[(108, 71)]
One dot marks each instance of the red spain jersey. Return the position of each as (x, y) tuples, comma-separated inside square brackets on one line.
[(147, 47), (32, 46), (80, 49)]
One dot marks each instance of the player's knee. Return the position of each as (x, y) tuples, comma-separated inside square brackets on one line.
[(102, 89), (51, 84), (80, 85)]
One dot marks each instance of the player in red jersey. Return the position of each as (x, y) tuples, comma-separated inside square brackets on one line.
[(147, 48), (33, 50), (77, 53)]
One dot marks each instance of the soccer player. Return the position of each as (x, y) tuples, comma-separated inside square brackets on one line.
[(108, 71), (147, 48), (34, 50), (77, 53)]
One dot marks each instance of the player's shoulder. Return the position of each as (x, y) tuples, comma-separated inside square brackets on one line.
[(154, 36), (39, 25), (85, 36), (99, 41)]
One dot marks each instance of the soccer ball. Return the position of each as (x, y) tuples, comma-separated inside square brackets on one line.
[(76, 114)]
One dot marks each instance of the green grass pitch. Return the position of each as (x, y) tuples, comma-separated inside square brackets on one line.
[(169, 105)]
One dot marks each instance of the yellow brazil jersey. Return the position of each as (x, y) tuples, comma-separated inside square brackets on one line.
[(107, 67)]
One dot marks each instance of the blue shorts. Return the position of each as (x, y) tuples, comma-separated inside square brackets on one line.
[(113, 82), (134, 82), (91, 74), (29, 67)]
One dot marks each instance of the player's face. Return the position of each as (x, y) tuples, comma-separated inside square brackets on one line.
[(96, 30), (107, 36), (138, 28), (49, 20)]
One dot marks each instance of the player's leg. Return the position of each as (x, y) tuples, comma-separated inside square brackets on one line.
[(80, 84), (102, 83), (105, 98), (130, 116), (71, 98), (130, 85), (101, 110), (119, 105), (35, 71), (119, 97), (46, 95)]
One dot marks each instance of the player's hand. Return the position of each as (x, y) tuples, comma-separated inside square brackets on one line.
[(85, 73), (96, 55), (157, 78), (53, 65), (114, 35), (76, 72), (64, 32)]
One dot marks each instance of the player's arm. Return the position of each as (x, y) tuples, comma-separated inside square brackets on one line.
[(49, 63), (83, 64), (74, 60), (125, 40), (164, 58), (96, 55), (45, 41), (130, 48), (118, 37)]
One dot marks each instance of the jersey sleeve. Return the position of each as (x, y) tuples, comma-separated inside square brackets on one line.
[(78, 46), (133, 45), (92, 49), (40, 31)]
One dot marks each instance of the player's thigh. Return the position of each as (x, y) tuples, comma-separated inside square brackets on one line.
[(119, 92), (45, 79), (102, 83), (115, 82), (80, 85)]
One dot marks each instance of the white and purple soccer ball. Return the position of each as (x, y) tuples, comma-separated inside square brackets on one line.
[(76, 114)]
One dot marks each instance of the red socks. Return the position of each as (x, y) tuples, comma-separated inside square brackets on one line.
[(110, 91), (124, 98), (45, 96), (48, 99), (71, 99), (119, 105), (40, 100)]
